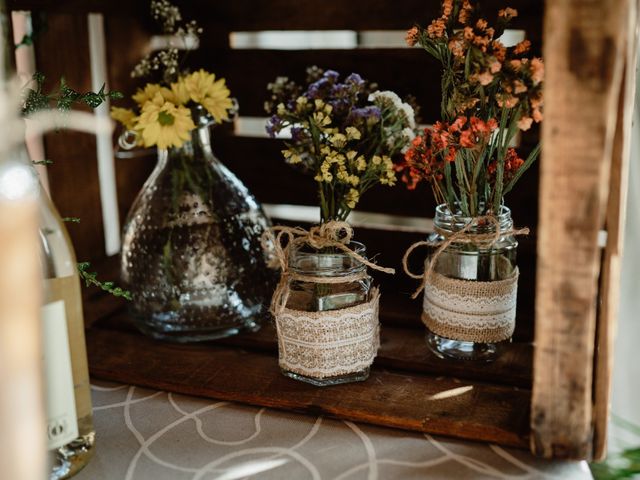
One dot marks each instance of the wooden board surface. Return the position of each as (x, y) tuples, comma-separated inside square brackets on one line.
[(433, 404)]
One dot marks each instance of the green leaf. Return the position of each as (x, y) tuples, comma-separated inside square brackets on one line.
[(90, 279)]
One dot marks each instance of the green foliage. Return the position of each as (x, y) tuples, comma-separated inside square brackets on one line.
[(36, 99), (621, 465), (90, 278)]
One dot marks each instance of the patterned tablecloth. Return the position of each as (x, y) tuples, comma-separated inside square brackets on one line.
[(145, 434)]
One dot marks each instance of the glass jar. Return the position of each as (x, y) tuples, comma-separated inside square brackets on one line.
[(482, 261), (191, 253), (324, 281)]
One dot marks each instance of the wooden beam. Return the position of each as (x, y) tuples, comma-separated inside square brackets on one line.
[(583, 41), (616, 216)]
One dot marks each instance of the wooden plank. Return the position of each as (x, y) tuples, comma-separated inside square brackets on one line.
[(73, 177), (401, 349), (616, 216), (436, 405), (408, 71), (242, 15), (403, 345), (582, 88)]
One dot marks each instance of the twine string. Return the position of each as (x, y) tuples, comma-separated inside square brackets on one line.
[(461, 236), (336, 234)]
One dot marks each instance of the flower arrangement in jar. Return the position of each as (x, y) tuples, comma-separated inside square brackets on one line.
[(489, 93), (345, 134), (191, 254)]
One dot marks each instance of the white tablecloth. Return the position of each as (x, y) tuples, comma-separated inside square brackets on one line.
[(146, 434)]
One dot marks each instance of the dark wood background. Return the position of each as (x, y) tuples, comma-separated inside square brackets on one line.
[(62, 50)]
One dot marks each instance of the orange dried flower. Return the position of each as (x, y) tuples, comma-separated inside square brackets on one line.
[(519, 87), (412, 36), (524, 123), (537, 70), (468, 34), (522, 47), (537, 115), (456, 45), (484, 78), (508, 13), (481, 24), (499, 50), (495, 66), (465, 12), (437, 28), (447, 8)]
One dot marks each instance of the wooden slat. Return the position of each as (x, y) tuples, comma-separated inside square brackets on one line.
[(421, 403), (73, 177), (242, 15), (582, 87), (616, 216), (401, 349), (407, 71)]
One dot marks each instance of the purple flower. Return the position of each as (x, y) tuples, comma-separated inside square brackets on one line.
[(355, 80), (331, 75), (297, 134), (274, 124), (365, 113)]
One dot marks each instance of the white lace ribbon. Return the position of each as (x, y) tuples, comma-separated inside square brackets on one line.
[(471, 311), (330, 343)]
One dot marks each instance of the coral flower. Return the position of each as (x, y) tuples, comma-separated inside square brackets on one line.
[(524, 123), (164, 124)]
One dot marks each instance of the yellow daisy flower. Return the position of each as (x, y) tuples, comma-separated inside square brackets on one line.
[(125, 116), (164, 124), (149, 92), (180, 93), (212, 94)]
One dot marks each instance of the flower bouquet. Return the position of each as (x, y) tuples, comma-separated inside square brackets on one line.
[(191, 255), (344, 133), (489, 94)]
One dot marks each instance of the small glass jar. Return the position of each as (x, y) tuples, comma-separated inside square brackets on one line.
[(484, 261), (317, 285)]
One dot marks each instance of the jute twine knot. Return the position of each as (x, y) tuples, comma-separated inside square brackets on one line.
[(461, 236), (334, 234)]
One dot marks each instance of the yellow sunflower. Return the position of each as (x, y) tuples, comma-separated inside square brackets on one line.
[(212, 94), (125, 116), (164, 124)]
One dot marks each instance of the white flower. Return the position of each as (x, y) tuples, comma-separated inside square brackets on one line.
[(407, 110), (386, 96), (407, 136)]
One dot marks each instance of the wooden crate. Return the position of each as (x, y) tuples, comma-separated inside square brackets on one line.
[(554, 396)]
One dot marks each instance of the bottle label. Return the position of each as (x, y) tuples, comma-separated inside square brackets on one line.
[(62, 423)]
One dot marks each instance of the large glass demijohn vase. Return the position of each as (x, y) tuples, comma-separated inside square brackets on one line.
[(191, 253)]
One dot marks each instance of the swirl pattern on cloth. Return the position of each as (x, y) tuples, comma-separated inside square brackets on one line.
[(471, 311), (330, 343)]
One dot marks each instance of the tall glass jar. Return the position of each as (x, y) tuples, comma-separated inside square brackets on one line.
[(327, 334), (486, 265), (191, 253)]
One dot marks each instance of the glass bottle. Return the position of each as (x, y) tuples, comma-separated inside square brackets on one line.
[(70, 432), (479, 262), (308, 294), (191, 253)]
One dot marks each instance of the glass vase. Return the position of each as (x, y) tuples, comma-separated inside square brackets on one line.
[(470, 301), (191, 253), (328, 333)]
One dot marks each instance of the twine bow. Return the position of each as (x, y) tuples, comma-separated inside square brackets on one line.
[(461, 236), (334, 234)]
